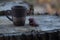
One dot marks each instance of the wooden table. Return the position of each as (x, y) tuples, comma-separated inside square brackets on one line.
[(8, 29), (6, 26)]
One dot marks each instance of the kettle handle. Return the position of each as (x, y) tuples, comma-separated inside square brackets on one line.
[(9, 12)]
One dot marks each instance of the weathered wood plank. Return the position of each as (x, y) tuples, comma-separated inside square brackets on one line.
[(46, 23)]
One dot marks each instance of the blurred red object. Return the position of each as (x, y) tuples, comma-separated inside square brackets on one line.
[(32, 22)]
